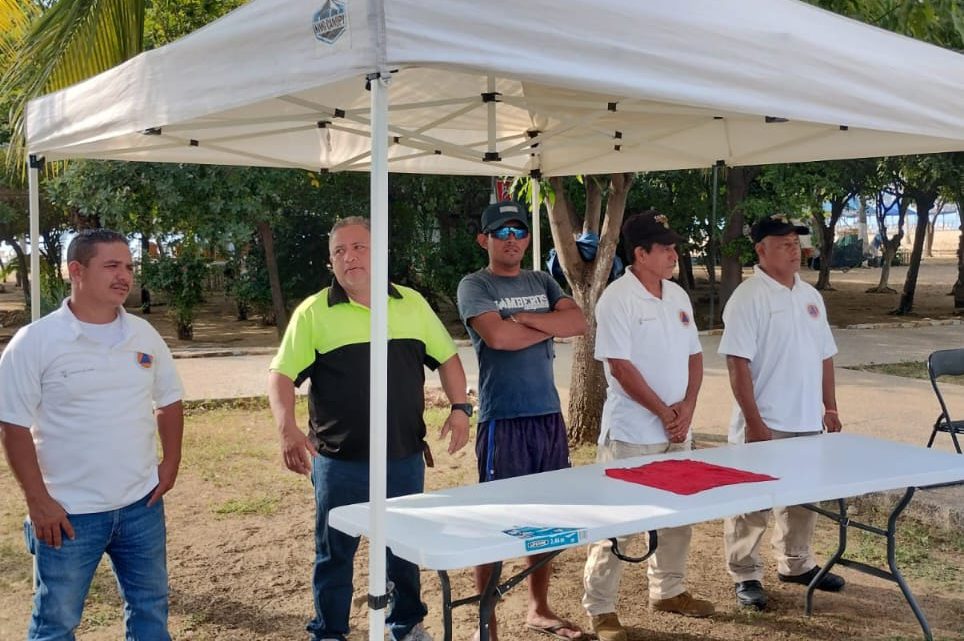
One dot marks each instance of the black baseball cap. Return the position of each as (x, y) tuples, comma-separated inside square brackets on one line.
[(498, 214), (776, 225), (649, 226)]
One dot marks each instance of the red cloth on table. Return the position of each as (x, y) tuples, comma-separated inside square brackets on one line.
[(685, 476)]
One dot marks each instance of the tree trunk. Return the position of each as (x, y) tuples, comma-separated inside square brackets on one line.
[(738, 181), (145, 256), (23, 268), (925, 200), (826, 257), (959, 285), (931, 224), (594, 195), (185, 329), (888, 251), (687, 279), (587, 391), (271, 261), (828, 233)]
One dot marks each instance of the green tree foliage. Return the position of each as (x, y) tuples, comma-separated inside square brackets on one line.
[(168, 20), (685, 197), (179, 278), (52, 45), (67, 42), (805, 187)]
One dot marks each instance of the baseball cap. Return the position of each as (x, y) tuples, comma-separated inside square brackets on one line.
[(498, 214), (649, 226), (776, 225)]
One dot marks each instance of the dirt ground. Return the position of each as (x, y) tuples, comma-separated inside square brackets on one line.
[(240, 533), (240, 548)]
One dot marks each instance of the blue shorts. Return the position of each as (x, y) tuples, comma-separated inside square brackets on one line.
[(512, 447)]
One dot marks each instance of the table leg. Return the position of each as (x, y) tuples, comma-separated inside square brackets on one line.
[(489, 597), (447, 606), (889, 535)]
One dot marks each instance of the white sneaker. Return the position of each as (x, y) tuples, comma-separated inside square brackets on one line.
[(418, 633)]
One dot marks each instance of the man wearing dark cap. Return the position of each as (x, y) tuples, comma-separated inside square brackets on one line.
[(512, 315), (647, 340), (779, 351)]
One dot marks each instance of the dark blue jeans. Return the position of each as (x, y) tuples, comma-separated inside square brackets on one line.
[(340, 483), (134, 537)]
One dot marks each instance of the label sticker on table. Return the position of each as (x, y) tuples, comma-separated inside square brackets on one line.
[(544, 538)]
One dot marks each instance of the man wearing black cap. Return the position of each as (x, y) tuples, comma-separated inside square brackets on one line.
[(779, 351), (512, 315), (647, 340)]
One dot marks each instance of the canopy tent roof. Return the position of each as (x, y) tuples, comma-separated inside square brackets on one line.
[(613, 85)]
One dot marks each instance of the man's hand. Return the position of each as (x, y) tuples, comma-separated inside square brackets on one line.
[(297, 450), (49, 518), (680, 426), (457, 424), (166, 476), (670, 420), (831, 421), (757, 431)]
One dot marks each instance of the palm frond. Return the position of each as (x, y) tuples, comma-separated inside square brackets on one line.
[(69, 42)]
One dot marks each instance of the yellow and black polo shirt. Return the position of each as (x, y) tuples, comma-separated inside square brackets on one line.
[(328, 342)]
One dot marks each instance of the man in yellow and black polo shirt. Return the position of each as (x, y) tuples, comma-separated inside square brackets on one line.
[(328, 342)]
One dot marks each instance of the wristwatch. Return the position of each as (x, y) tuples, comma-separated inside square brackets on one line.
[(465, 407)]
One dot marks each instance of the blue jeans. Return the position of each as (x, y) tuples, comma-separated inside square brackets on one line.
[(134, 537), (340, 483)]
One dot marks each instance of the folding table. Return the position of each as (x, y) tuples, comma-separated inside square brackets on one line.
[(546, 513)]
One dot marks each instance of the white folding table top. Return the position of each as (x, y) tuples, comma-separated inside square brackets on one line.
[(464, 526)]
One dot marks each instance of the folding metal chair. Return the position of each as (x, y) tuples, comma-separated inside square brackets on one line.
[(945, 362)]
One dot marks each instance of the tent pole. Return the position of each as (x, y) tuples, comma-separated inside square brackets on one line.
[(33, 178), (378, 382), (536, 232), (490, 117), (711, 251)]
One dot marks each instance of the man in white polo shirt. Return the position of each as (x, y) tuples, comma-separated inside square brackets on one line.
[(647, 340), (779, 352), (83, 391)]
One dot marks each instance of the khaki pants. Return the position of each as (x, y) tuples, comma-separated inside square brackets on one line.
[(793, 531), (667, 566)]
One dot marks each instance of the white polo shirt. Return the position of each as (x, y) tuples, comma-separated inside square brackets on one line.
[(785, 335), (89, 406), (658, 336)]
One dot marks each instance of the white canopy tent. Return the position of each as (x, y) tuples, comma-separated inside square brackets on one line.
[(543, 87)]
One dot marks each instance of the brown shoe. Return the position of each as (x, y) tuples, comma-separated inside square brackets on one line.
[(684, 604), (608, 628)]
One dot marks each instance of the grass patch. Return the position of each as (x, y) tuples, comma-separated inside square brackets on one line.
[(199, 407), (923, 552), (908, 369), (260, 505), (16, 565)]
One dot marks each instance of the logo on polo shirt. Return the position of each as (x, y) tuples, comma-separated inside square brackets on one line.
[(813, 310), (684, 318), (144, 360)]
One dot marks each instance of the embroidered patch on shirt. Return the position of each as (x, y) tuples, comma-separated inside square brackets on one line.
[(813, 310), (144, 360), (684, 318)]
